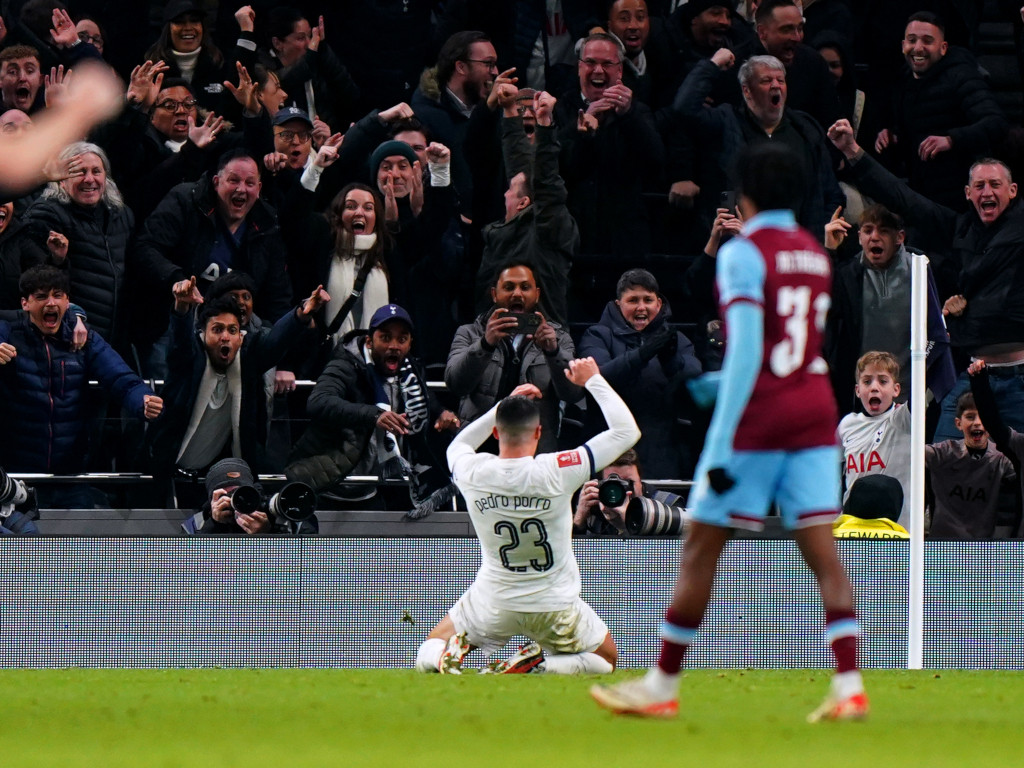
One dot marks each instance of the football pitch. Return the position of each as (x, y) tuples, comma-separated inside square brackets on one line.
[(743, 718)]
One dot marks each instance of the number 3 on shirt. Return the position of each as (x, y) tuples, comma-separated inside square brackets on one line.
[(531, 527), (794, 305)]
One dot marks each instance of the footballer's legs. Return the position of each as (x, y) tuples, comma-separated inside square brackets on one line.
[(846, 699), (656, 693), (600, 661), (443, 650)]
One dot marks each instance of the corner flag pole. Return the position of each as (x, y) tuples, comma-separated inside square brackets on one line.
[(918, 356)]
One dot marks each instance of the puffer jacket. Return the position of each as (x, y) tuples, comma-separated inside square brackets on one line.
[(644, 386), (99, 248), (44, 406)]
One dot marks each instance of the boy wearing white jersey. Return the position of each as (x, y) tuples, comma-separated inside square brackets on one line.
[(877, 442), (520, 504)]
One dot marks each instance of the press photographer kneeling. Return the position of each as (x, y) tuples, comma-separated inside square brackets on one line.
[(620, 504), (236, 504)]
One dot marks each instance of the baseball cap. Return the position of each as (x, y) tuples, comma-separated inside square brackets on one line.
[(388, 313), (228, 473), (180, 7), (291, 113)]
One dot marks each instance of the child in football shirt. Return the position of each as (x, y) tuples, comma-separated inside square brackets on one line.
[(877, 442), (967, 476)]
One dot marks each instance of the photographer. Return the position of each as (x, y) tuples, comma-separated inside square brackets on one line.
[(236, 505), (654, 513)]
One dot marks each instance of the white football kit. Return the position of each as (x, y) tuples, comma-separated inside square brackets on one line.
[(521, 511), (878, 445)]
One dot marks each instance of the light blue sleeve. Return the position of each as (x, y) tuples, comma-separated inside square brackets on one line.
[(740, 275)]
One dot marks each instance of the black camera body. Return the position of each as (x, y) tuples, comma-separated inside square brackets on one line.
[(613, 490), (294, 503)]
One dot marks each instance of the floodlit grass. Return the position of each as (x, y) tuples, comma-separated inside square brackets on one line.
[(748, 719)]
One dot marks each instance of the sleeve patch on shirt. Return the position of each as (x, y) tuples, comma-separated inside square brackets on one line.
[(569, 459)]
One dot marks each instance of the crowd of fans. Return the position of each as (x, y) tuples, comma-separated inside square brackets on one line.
[(382, 196)]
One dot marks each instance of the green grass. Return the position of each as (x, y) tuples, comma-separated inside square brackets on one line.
[(748, 719)]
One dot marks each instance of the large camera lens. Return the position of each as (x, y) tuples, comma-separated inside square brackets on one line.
[(647, 517), (612, 491), (245, 499), (295, 502)]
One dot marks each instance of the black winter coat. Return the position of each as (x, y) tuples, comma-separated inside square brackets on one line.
[(100, 249), (180, 235)]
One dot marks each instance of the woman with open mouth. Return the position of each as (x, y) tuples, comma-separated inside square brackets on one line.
[(189, 54), (348, 244)]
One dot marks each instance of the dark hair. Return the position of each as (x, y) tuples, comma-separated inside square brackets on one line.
[(409, 124), (629, 459), (225, 305), (765, 9), (177, 82), (965, 403), (771, 176), (927, 17), (281, 21), (43, 278), (162, 48), (235, 280), (342, 245), (456, 48), (511, 263), (516, 416), (99, 25), (233, 154), (881, 216), (636, 278)]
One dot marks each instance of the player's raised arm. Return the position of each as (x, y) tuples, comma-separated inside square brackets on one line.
[(743, 355), (622, 433)]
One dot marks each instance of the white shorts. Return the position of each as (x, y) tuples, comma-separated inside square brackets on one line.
[(576, 629)]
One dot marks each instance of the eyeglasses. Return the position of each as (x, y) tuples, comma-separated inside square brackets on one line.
[(85, 37), (173, 106), (591, 63), (489, 63), (302, 136)]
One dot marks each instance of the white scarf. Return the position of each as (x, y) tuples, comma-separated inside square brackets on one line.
[(206, 388), (341, 280)]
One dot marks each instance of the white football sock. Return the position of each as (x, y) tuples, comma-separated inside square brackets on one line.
[(662, 685), (576, 664), (847, 684), (429, 654)]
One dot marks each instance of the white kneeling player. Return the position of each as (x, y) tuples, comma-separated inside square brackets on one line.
[(520, 504)]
